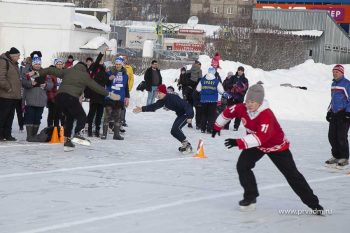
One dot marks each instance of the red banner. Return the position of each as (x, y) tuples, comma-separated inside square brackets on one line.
[(188, 47), (191, 31)]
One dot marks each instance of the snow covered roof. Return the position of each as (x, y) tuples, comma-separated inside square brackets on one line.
[(88, 21), (96, 43), (93, 9), (39, 2), (312, 33)]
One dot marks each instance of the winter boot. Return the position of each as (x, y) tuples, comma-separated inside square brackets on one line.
[(68, 145), (247, 204), (342, 163), (35, 129), (29, 129), (97, 133), (117, 133), (79, 139), (89, 130), (104, 132)]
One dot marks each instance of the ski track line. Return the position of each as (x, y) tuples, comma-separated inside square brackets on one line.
[(162, 206), (90, 167)]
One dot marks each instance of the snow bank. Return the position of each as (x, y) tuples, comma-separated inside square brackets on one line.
[(88, 21), (287, 103)]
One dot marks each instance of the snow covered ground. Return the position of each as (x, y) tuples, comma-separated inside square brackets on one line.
[(143, 184)]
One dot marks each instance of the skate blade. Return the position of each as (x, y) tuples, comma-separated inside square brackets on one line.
[(81, 142), (68, 149), (330, 165), (341, 167), (248, 208)]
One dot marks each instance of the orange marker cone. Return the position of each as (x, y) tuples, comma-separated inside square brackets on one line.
[(200, 150), (54, 136), (61, 134)]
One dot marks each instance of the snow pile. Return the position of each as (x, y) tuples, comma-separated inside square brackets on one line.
[(96, 43), (287, 103), (313, 33), (88, 21)]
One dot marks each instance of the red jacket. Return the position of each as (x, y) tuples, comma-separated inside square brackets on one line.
[(263, 129)]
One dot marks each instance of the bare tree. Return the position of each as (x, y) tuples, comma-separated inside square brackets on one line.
[(260, 46)]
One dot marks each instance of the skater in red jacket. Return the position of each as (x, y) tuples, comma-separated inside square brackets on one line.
[(264, 136)]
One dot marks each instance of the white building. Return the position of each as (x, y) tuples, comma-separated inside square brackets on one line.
[(50, 27)]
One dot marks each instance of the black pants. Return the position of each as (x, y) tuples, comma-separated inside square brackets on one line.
[(19, 113), (72, 109), (33, 115), (338, 136), (7, 113), (198, 115), (176, 129), (95, 111), (54, 115), (208, 116), (285, 163)]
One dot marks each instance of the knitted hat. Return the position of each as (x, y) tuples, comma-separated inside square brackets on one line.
[(58, 60), (36, 60), (211, 70), (339, 68), (255, 93), (162, 89), (14, 51), (119, 60), (229, 74)]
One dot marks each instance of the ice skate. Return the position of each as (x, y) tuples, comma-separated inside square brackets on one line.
[(331, 163), (68, 145), (342, 164), (186, 147), (247, 205), (81, 140)]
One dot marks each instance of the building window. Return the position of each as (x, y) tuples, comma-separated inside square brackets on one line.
[(327, 47), (336, 48), (215, 10), (343, 49), (229, 11), (310, 53)]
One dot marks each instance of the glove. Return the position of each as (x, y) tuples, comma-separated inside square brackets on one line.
[(230, 142), (113, 96), (214, 132), (189, 120), (347, 116), (226, 95), (329, 116)]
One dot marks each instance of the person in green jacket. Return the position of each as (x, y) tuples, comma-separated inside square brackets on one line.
[(74, 82)]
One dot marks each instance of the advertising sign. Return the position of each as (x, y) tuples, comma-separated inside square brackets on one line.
[(340, 13), (188, 47)]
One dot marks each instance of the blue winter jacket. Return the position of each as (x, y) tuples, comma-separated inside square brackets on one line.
[(171, 102), (209, 92), (119, 85), (340, 91)]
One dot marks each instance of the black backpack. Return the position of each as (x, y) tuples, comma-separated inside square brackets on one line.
[(44, 135), (141, 86)]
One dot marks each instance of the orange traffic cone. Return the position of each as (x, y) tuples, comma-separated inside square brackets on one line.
[(61, 134), (200, 150), (54, 137)]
